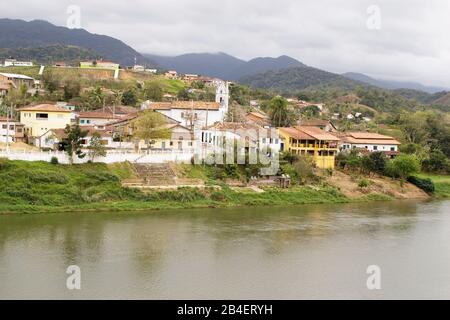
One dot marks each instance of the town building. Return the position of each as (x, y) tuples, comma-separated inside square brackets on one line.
[(100, 64), (103, 116), (195, 114), (171, 74), (40, 118), (14, 80), (11, 131), (250, 135), (325, 125), (310, 141), (369, 142), (15, 63)]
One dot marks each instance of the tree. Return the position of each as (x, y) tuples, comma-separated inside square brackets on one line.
[(437, 162), (51, 81), (129, 97), (150, 125), (153, 91), (379, 161), (403, 166), (73, 141), (96, 148), (279, 113), (96, 98)]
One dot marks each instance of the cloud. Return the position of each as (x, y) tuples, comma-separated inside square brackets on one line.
[(411, 43)]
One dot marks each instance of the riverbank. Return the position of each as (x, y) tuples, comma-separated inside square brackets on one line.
[(28, 187)]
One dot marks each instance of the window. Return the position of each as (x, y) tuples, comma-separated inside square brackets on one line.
[(42, 116), (171, 143), (4, 126), (19, 130), (190, 143), (88, 121), (392, 148), (375, 148), (263, 140)]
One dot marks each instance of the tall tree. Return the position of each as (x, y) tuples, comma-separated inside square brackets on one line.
[(73, 142), (149, 126), (96, 148), (279, 113)]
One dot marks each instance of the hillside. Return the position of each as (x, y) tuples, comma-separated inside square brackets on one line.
[(392, 85), (50, 54), (37, 33), (298, 78), (222, 65)]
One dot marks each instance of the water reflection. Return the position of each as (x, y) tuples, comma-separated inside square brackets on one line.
[(269, 252)]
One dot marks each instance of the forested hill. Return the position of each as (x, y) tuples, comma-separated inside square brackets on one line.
[(50, 54), (37, 33)]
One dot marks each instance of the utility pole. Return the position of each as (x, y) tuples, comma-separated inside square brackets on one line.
[(7, 127)]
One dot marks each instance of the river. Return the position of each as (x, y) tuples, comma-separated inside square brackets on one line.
[(301, 252)]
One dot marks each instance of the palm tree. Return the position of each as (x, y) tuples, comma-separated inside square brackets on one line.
[(279, 113)]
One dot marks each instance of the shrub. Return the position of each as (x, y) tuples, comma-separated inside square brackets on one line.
[(4, 163), (54, 160), (363, 183), (425, 184)]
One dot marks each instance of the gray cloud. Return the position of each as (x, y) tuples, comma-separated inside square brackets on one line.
[(412, 43)]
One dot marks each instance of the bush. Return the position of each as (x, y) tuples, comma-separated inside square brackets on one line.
[(363, 183), (4, 163), (54, 160), (425, 184)]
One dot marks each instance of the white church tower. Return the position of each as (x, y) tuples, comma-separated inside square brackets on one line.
[(222, 97)]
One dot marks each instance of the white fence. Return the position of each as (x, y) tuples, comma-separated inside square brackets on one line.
[(154, 156)]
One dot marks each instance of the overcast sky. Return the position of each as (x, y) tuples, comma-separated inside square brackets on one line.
[(410, 40)]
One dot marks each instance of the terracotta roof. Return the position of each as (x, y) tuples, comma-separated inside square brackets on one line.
[(308, 133), (295, 133), (318, 133), (61, 133), (197, 105), (368, 138), (12, 121), (44, 107), (315, 122), (97, 115)]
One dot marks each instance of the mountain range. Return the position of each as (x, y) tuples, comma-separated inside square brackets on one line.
[(15, 34), (42, 41)]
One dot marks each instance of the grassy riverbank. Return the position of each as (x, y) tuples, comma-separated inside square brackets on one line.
[(441, 184), (28, 187)]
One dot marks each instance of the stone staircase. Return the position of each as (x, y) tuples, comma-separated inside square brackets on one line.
[(152, 175)]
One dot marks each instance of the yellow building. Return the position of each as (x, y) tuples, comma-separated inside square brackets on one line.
[(40, 118), (312, 141)]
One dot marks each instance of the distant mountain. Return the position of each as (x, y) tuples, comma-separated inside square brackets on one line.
[(50, 54), (207, 64), (298, 78), (222, 65), (392, 85), (37, 33)]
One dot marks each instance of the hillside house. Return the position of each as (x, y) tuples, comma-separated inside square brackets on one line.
[(369, 142), (15, 63), (310, 141), (171, 74), (11, 131), (16, 80), (38, 119), (325, 125), (195, 114)]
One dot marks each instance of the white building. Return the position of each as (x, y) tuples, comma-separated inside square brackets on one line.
[(11, 130), (250, 135), (195, 114), (371, 142), (15, 63)]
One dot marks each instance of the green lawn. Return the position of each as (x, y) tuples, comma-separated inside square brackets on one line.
[(441, 183)]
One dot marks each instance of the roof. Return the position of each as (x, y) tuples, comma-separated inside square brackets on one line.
[(308, 132), (368, 138), (316, 122), (61, 133), (16, 76), (12, 121), (44, 107), (97, 115), (318, 133), (196, 105)]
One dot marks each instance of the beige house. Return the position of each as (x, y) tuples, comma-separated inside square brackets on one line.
[(38, 119)]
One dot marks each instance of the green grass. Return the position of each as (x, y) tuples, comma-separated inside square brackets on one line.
[(28, 71), (441, 184)]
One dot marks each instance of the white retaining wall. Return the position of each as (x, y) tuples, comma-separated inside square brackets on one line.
[(111, 157)]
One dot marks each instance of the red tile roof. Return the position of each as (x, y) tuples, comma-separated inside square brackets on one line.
[(45, 108)]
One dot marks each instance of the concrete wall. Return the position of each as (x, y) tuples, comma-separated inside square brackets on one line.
[(111, 157)]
